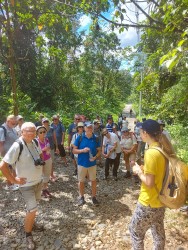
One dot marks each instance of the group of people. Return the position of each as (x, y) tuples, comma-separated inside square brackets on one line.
[(29, 155)]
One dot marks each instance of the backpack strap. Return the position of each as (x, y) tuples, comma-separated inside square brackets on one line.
[(166, 168), (21, 148), (80, 139), (36, 142), (5, 130)]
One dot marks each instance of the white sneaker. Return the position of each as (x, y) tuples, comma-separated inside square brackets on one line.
[(14, 187)]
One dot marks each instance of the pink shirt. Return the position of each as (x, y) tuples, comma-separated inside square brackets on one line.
[(46, 154)]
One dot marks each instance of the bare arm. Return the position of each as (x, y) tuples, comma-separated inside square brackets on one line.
[(1, 147), (148, 179), (6, 172)]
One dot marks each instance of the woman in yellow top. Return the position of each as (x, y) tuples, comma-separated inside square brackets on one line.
[(149, 213)]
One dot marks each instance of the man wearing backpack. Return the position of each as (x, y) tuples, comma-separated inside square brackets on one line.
[(28, 165), (8, 136), (60, 135), (88, 149)]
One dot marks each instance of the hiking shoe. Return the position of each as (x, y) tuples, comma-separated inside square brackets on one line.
[(128, 174), (38, 227), (30, 243), (14, 187), (95, 201), (184, 209), (81, 201)]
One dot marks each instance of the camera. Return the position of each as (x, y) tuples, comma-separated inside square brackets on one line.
[(39, 162)]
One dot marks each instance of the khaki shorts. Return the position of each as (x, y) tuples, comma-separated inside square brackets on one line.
[(31, 195), (83, 172), (47, 169)]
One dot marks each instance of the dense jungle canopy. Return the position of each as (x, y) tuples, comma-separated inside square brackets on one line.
[(48, 65)]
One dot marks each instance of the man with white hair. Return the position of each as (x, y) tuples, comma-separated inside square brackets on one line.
[(26, 155)]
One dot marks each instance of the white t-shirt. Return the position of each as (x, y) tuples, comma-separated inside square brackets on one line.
[(109, 143), (25, 166)]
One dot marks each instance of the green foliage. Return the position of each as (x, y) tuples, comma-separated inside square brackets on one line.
[(179, 133), (174, 104)]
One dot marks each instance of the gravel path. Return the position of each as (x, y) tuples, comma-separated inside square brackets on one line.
[(68, 226)]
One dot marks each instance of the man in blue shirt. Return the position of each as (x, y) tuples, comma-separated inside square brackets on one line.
[(87, 146), (60, 136)]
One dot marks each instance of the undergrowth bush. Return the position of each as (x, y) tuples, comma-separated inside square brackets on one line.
[(179, 135)]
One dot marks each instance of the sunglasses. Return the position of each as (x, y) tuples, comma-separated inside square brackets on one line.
[(42, 132), (80, 127), (77, 119), (105, 133)]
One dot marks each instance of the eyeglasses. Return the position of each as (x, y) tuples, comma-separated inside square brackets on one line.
[(80, 127), (29, 131), (46, 121), (55, 119), (42, 132), (77, 119)]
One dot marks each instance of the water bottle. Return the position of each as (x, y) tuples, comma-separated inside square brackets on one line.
[(90, 155)]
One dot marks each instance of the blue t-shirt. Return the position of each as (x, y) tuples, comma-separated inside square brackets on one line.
[(93, 144), (50, 137), (72, 129), (59, 129)]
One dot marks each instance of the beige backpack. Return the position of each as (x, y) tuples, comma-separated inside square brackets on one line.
[(175, 183)]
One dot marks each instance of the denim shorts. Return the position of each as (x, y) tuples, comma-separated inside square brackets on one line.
[(31, 195)]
